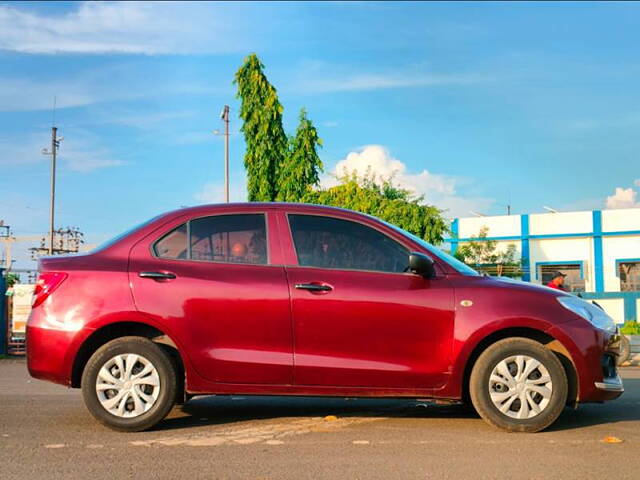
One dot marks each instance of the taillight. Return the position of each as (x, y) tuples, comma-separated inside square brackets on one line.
[(47, 283)]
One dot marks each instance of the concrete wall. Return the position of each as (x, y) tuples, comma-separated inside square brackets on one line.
[(623, 219), (558, 223), (499, 226)]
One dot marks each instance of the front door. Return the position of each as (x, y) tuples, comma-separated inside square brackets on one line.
[(359, 319), (209, 280)]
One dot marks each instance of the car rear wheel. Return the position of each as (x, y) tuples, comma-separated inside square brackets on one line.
[(129, 384), (518, 385)]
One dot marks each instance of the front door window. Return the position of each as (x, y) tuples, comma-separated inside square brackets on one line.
[(327, 242)]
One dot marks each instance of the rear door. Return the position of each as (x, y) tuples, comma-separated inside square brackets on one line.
[(359, 319), (210, 280)]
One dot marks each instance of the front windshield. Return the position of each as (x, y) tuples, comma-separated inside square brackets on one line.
[(445, 257)]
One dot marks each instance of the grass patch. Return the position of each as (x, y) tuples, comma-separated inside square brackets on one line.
[(630, 328)]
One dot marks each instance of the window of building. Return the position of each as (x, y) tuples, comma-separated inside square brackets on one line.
[(223, 238), (326, 242), (629, 273), (574, 280)]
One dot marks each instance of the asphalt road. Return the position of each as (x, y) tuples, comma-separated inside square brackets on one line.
[(45, 432)]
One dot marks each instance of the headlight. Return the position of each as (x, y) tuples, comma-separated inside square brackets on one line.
[(596, 316)]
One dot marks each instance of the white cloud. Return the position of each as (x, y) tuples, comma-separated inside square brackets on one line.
[(85, 160), (108, 83), (623, 198), (637, 182), (439, 190), (81, 152), (316, 76), (126, 28), (379, 81), (145, 120)]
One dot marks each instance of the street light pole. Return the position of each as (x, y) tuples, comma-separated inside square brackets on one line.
[(225, 117)]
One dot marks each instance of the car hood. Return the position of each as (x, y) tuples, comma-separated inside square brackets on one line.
[(506, 282)]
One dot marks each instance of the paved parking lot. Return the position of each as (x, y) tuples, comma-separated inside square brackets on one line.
[(45, 432)]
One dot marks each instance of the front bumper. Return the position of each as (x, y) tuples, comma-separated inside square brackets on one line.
[(593, 354), (611, 385)]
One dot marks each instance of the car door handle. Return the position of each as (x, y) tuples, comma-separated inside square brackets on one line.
[(314, 287), (157, 275)]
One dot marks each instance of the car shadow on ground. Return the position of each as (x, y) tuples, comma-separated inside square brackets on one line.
[(220, 410), (226, 410)]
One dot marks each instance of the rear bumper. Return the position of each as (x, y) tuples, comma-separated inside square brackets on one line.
[(50, 353)]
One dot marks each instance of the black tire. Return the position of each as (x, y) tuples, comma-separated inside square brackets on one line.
[(625, 350), (479, 386), (150, 353)]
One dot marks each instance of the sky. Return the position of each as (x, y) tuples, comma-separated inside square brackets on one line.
[(473, 105)]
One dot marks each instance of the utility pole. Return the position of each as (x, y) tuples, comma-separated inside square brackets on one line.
[(54, 148), (225, 118), (55, 144), (6, 238)]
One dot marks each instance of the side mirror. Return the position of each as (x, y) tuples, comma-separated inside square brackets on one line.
[(421, 265)]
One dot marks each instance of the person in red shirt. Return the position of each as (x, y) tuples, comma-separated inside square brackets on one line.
[(557, 281)]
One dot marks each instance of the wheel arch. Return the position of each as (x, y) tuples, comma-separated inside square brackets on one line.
[(115, 330), (539, 336)]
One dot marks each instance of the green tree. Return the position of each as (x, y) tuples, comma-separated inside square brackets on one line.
[(302, 166), (265, 139), (11, 279), (288, 170), (484, 256), (383, 199)]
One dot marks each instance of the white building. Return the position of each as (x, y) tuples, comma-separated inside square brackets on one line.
[(599, 251)]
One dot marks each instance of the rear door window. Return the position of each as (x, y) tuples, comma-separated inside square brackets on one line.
[(221, 238)]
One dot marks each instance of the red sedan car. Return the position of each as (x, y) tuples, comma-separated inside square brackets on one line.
[(285, 299)]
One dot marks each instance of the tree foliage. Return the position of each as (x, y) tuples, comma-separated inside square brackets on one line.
[(288, 170), (266, 141), (380, 197), (11, 279), (302, 166), (483, 255)]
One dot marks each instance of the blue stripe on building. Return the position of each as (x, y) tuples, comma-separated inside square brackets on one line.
[(524, 248), (598, 268), (454, 236)]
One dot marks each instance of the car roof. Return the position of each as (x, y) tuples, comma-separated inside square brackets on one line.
[(257, 206)]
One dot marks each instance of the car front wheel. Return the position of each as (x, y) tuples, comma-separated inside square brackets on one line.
[(518, 385), (129, 384)]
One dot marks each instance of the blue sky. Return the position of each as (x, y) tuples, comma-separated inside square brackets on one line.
[(469, 103)]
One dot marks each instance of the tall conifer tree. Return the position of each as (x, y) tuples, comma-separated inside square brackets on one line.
[(266, 142), (302, 166)]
